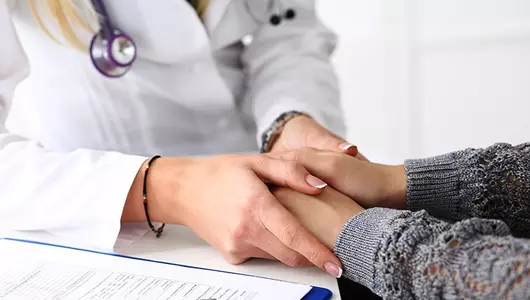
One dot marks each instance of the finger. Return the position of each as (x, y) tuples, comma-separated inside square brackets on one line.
[(292, 234), (331, 167), (298, 261), (286, 173), (361, 157), (263, 255), (250, 252), (258, 253), (332, 142), (274, 249), (348, 149)]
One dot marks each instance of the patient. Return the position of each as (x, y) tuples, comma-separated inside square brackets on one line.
[(400, 248)]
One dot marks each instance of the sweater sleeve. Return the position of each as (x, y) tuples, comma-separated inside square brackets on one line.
[(492, 183), (411, 255)]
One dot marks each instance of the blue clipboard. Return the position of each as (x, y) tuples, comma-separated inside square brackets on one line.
[(316, 293)]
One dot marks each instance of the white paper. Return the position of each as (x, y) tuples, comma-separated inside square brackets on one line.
[(129, 234), (32, 271)]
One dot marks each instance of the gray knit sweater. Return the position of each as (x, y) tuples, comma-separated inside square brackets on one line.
[(483, 194)]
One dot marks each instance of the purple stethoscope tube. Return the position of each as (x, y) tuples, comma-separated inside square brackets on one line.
[(113, 52)]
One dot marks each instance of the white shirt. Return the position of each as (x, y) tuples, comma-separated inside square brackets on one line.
[(72, 140)]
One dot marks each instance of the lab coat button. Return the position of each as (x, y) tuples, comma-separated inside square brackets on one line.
[(247, 40)]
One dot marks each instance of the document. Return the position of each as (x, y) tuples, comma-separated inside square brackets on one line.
[(33, 271)]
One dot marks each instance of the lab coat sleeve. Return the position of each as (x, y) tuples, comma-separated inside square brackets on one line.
[(288, 68), (79, 195)]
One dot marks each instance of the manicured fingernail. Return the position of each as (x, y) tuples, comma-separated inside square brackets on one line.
[(333, 270), (315, 182), (345, 146)]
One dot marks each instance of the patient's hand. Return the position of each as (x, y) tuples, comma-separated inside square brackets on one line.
[(323, 215), (370, 184)]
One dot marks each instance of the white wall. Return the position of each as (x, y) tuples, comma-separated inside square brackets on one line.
[(422, 77)]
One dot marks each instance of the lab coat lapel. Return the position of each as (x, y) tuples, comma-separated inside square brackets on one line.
[(230, 20)]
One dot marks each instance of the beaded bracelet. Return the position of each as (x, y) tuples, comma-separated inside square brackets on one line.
[(146, 172)]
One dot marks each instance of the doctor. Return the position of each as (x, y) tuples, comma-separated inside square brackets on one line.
[(97, 98)]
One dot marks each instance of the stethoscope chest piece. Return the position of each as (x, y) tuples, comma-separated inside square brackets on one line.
[(112, 52), (112, 56)]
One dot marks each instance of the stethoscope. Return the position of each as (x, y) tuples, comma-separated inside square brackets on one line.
[(113, 52)]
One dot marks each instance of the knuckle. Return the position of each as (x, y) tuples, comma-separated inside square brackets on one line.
[(260, 160), (291, 169), (238, 239), (313, 255), (291, 236), (241, 232), (233, 249), (295, 260), (234, 259), (297, 156)]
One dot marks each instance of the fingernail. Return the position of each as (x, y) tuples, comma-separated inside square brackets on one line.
[(345, 146), (315, 182), (333, 270)]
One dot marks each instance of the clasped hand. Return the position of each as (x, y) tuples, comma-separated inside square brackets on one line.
[(226, 200), (354, 185)]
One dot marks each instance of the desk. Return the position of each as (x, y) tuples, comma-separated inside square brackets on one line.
[(180, 245)]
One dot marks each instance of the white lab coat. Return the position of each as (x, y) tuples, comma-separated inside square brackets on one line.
[(72, 140)]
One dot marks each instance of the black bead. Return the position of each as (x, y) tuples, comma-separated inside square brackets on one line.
[(275, 20), (290, 14)]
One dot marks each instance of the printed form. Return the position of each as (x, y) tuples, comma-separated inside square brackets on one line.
[(32, 271)]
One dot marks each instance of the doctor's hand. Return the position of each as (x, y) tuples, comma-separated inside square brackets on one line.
[(302, 132), (226, 201)]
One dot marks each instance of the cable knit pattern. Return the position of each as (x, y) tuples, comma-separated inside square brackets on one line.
[(492, 183), (411, 255)]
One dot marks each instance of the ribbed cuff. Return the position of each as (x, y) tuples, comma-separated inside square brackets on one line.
[(434, 185), (360, 240)]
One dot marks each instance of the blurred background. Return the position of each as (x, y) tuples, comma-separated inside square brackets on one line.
[(422, 77)]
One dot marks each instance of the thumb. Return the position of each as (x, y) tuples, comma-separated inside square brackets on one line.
[(330, 142), (337, 144), (349, 149)]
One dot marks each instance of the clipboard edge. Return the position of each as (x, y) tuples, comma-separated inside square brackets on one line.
[(316, 293)]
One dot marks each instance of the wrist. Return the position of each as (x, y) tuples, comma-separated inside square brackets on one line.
[(397, 186), (272, 135), (163, 192), (334, 231), (133, 210), (161, 186)]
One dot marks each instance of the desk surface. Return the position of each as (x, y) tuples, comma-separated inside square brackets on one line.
[(180, 245)]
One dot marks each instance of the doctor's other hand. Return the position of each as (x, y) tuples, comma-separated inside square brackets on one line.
[(369, 184), (303, 131), (226, 201), (324, 215)]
